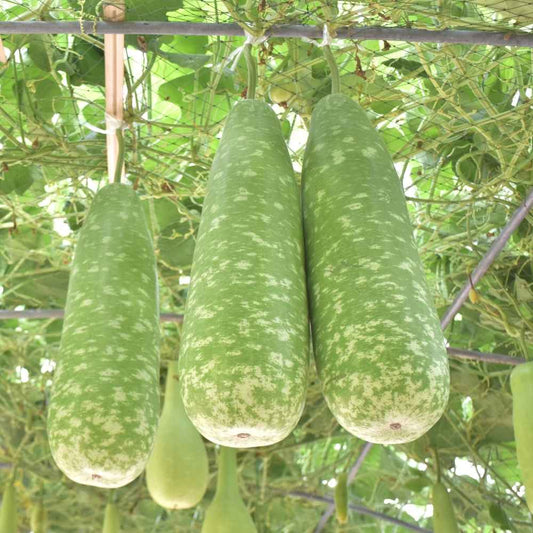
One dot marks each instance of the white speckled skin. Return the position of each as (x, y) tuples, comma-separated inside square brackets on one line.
[(105, 397), (378, 344), (244, 353)]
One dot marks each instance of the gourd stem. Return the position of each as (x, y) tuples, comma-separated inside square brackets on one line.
[(333, 69), (227, 471), (120, 156), (437, 463), (252, 71), (172, 393)]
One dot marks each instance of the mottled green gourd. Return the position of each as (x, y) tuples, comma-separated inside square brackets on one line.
[(227, 513), (177, 471), (522, 389), (244, 354), (111, 519), (8, 511), (105, 397), (39, 518), (444, 520), (341, 498), (378, 344)]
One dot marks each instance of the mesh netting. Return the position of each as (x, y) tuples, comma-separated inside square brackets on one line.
[(457, 120)]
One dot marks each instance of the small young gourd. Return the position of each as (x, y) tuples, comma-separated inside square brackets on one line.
[(8, 511), (227, 512), (522, 389), (341, 499), (177, 471), (39, 518), (111, 519), (444, 520)]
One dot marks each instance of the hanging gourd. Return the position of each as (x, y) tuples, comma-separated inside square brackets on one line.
[(177, 471), (39, 518), (227, 513), (105, 402), (8, 510), (378, 345), (444, 520), (522, 390), (244, 355), (111, 519), (341, 498)]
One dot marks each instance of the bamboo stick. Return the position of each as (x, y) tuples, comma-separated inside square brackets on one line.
[(114, 81)]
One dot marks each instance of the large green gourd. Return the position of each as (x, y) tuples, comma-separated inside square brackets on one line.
[(244, 355), (522, 389), (8, 511), (378, 345), (105, 398), (227, 513), (177, 471), (443, 515), (111, 519)]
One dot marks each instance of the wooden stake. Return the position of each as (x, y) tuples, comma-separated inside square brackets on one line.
[(114, 81)]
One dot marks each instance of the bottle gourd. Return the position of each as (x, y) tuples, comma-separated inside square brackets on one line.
[(104, 405), (378, 345), (8, 511), (111, 519), (244, 353), (522, 390), (177, 471), (227, 513), (341, 498), (444, 520), (39, 518)]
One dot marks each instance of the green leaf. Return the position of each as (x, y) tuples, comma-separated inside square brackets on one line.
[(19, 178), (192, 61), (498, 514), (42, 52), (87, 62)]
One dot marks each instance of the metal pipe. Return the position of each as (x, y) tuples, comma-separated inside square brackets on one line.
[(286, 30), (498, 358), (361, 510), (487, 260)]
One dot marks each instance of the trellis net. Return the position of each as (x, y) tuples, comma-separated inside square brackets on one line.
[(457, 120)]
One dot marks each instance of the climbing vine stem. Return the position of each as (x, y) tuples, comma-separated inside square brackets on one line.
[(333, 69), (252, 71)]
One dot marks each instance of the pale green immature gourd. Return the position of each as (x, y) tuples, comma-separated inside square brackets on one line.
[(244, 352), (8, 511), (104, 405), (522, 389), (111, 519), (444, 520), (341, 498), (378, 345), (177, 472), (227, 513), (39, 518)]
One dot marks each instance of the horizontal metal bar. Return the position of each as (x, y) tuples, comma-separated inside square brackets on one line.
[(361, 510), (360, 33), (497, 246), (498, 358), (454, 353)]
